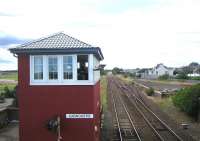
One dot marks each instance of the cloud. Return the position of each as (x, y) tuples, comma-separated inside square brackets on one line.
[(6, 14), (7, 40), (118, 6), (7, 60), (130, 34)]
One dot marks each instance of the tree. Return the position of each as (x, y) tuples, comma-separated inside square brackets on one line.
[(187, 70), (117, 70), (193, 64)]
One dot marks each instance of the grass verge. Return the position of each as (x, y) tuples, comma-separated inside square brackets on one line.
[(106, 129), (168, 107), (104, 92), (9, 76)]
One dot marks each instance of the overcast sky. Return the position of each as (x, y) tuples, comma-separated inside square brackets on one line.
[(131, 33)]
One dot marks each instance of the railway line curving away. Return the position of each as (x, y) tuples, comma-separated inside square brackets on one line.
[(134, 120)]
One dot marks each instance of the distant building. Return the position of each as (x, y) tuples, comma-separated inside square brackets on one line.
[(142, 73), (154, 73), (130, 70), (196, 72)]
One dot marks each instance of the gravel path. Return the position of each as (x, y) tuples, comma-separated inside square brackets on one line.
[(10, 133)]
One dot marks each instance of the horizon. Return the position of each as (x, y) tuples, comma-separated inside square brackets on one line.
[(131, 34), (124, 68)]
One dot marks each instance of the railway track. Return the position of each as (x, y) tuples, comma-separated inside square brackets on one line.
[(124, 128), (132, 100)]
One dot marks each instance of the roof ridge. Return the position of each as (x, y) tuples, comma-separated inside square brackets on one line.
[(76, 39), (40, 39)]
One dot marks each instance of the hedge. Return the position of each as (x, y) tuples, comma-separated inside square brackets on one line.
[(187, 100)]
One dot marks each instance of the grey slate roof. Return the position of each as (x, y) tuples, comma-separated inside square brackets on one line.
[(57, 43)]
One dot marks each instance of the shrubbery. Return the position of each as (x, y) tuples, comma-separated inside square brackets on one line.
[(150, 91), (195, 78), (9, 93), (164, 77), (187, 100), (182, 76)]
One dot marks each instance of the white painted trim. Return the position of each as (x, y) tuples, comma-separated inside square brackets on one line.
[(60, 80), (45, 68), (90, 66), (31, 68), (75, 67), (60, 68), (78, 82)]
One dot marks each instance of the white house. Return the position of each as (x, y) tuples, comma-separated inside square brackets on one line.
[(157, 71)]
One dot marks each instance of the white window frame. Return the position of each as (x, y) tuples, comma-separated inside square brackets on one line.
[(58, 69), (36, 65), (61, 80), (32, 69), (74, 74)]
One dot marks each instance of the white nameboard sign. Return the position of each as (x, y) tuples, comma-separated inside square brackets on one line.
[(74, 116)]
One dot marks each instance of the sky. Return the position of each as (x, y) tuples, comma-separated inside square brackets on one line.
[(131, 33)]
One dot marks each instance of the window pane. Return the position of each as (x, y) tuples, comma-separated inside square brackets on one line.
[(82, 67), (38, 67), (53, 68), (67, 67)]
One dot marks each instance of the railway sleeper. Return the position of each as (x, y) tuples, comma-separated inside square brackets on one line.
[(129, 134), (162, 129), (116, 135)]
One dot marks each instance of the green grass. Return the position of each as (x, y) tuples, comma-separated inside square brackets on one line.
[(104, 92), (9, 76), (168, 107), (106, 124), (125, 79)]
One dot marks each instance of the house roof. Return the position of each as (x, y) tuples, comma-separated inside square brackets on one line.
[(158, 65), (57, 44), (167, 68)]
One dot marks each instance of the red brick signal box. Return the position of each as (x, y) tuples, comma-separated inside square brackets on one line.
[(58, 77)]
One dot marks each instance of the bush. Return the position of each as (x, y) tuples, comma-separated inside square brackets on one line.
[(150, 91), (117, 71), (187, 100), (182, 76), (195, 78), (164, 77), (9, 93), (125, 75)]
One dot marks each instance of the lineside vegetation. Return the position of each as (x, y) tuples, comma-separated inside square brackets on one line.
[(187, 100)]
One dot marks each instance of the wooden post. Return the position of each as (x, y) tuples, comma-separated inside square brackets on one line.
[(58, 129)]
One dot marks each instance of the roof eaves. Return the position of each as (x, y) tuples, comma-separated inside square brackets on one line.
[(40, 51)]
